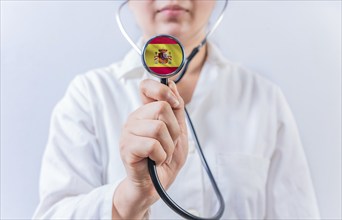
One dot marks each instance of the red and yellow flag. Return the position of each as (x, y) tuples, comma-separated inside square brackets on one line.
[(163, 55)]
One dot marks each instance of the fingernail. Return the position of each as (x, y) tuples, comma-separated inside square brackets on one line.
[(173, 86), (176, 103), (174, 100)]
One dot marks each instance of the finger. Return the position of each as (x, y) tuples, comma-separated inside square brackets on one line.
[(136, 148), (181, 148), (155, 129), (160, 110), (151, 90), (179, 111)]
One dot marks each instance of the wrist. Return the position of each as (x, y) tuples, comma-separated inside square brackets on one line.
[(132, 202)]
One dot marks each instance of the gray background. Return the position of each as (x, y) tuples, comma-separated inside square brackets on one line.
[(44, 44)]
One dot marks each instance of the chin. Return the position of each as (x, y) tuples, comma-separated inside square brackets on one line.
[(173, 31)]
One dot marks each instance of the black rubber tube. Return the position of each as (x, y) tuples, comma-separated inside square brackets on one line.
[(166, 198)]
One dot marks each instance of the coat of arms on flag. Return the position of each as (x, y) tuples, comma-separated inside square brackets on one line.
[(163, 57)]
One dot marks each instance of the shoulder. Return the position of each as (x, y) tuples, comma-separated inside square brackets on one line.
[(242, 80), (104, 76), (113, 77), (236, 72), (242, 86), (250, 79), (116, 74), (84, 87)]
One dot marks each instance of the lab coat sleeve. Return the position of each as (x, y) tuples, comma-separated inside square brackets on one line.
[(73, 166), (290, 192)]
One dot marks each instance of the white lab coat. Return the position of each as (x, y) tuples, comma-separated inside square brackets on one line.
[(243, 122)]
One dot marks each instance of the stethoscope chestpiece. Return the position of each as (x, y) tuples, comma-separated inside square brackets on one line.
[(163, 56)]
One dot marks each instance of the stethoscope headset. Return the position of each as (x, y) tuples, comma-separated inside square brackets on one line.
[(162, 67)]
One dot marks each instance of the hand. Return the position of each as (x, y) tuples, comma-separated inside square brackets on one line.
[(156, 130)]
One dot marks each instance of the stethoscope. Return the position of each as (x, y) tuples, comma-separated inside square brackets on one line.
[(163, 56)]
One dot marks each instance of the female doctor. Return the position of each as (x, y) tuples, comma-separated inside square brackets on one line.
[(112, 119)]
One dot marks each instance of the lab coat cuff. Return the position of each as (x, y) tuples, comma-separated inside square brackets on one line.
[(107, 207), (147, 215)]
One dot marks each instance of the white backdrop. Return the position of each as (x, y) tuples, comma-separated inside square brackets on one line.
[(44, 44)]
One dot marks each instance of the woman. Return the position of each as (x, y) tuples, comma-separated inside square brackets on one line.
[(112, 119)]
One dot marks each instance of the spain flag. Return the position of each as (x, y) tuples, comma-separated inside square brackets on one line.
[(163, 55)]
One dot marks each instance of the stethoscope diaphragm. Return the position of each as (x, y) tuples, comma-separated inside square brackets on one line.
[(163, 56)]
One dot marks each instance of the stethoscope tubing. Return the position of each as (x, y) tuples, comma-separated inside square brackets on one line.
[(151, 164), (167, 199), (139, 51)]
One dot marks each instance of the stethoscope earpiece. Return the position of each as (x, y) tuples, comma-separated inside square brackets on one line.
[(163, 56)]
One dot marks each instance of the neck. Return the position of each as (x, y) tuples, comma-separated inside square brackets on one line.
[(188, 83), (197, 62)]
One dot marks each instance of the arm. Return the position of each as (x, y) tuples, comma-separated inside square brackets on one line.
[(290, 193), (72, 185), (156, 130), (71, 182)]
